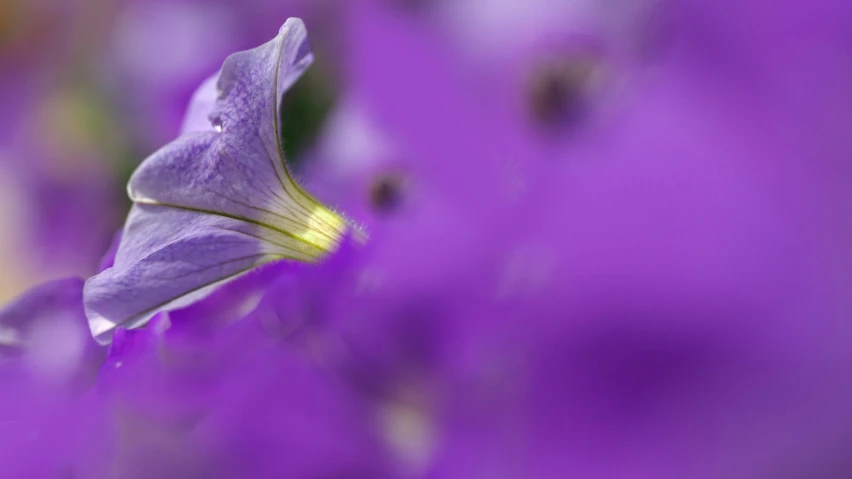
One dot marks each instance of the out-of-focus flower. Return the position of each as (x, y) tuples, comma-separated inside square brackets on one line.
[(548, 62), (239, 403), (235, 402), (44, 331), (633, 310), (218, 202), (48, 360)]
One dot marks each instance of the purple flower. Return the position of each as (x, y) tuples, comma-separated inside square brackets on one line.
[(44, 332), (662, 296), (48, 360), (238, 402), (228, 404), (218, 201)]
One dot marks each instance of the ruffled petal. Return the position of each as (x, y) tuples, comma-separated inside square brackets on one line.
[(218, 201)]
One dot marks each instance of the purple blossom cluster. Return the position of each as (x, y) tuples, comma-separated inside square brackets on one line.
[(533, 240)]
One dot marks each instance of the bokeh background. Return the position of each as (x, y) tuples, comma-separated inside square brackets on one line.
[(683, 258), (89, 88)]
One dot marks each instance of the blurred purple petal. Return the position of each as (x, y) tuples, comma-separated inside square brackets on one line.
[(236, 403), (45, 328)]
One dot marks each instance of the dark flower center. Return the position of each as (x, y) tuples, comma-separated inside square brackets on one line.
[(558, 91), (386, 192)]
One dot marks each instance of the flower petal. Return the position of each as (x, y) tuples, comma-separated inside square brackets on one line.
[(171, 258), (239, 171), (218, 201), (60, 299), (43, 335), (201, 105)]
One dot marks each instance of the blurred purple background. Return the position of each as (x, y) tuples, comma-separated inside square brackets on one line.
[(91, 87), (659, 189)]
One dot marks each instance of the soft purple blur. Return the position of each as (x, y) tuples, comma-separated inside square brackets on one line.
[(605, 240)]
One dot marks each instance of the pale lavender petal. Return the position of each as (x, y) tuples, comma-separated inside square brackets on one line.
[(218, 201), (200, 106), (231, 175), (171, 257), (237, 169)]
